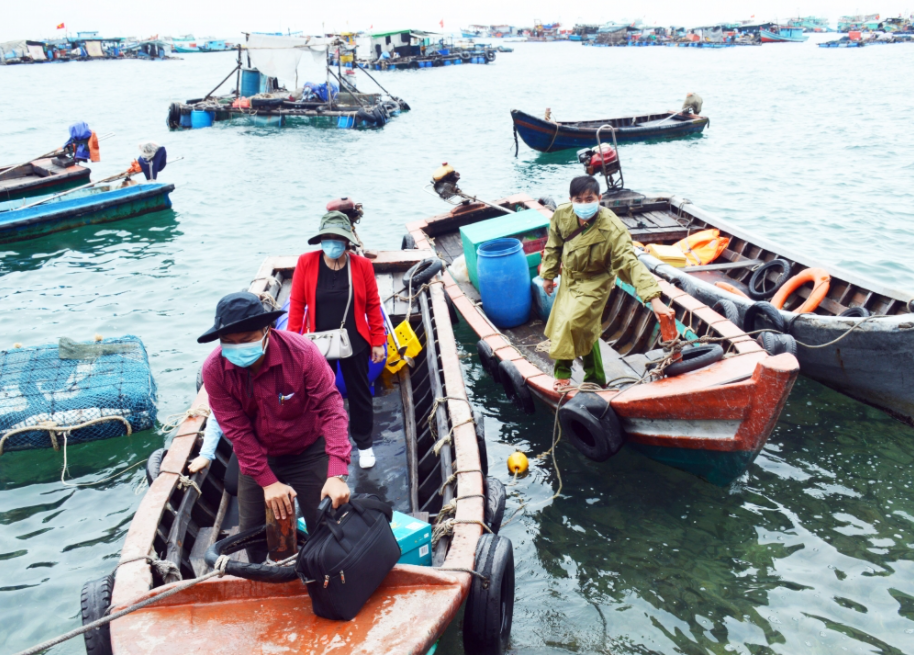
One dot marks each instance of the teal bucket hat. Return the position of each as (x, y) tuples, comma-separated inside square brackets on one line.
[(337, 224)]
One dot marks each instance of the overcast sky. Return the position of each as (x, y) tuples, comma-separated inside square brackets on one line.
[(227, 18)]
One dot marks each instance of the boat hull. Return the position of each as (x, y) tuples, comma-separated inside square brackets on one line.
[(40, 177), (771, 37), (546, 136), (61, 215)]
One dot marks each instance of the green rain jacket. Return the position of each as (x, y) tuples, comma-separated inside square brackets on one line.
[(591, 263)]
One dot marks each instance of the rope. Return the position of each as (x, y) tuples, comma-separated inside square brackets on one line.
[(53, 429), (485, 580), (553, 138), (172, 421), (446, 528), (453, 478)]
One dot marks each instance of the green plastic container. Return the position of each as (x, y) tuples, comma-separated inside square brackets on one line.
[(529, 227)]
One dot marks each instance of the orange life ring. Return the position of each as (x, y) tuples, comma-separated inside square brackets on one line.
[(732, 289), (820, 280)]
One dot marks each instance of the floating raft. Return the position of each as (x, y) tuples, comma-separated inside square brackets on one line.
[(547, 136), (711, 422), (414, 605), (97, 385), (41, 176), (98, 204)]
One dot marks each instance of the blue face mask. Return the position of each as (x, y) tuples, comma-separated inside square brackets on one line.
[(243, 354), (586, 210), (333, 248)]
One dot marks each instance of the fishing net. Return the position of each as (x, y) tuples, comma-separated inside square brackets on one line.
[(69, 384)]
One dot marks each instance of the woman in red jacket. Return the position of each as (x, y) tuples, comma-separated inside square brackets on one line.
[(320, 301)]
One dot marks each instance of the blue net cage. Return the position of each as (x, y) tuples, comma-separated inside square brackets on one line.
[(70, 383)]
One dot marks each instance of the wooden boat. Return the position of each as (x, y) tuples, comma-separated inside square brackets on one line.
[(547, 136), (97, 204), (414, 605), (874, 351), (40, 176), (711, 422), (783, 34)]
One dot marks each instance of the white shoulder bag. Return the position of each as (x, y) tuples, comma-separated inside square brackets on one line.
[(335, 344)]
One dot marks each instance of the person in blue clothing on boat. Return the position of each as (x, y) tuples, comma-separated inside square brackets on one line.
[(212, 433)]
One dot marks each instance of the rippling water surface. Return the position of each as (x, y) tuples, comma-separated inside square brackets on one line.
[(811, 552)]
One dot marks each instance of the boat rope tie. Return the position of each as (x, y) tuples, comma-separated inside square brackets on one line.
[(453, 478), (54, 430), (173, 421), (445, 528), (166, 570), (551, 143), (185, 483), (268, 299)]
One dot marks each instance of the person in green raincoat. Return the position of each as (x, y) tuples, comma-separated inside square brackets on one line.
[(594, 249)]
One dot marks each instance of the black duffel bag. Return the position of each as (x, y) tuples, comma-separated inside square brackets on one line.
[(350, 553)]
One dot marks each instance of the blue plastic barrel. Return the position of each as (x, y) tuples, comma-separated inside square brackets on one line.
[(542, 302), (250, 82), (185, 120), (200, 119), (447, 62), (504, 282)]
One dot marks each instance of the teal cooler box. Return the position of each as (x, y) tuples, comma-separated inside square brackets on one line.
[(415, 539), (529, 227), (413, 536)]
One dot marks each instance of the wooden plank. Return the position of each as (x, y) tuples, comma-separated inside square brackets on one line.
[(658, 234), (409, 433), (385, 289), (664, 219)]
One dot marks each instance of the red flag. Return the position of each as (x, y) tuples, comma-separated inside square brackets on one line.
[(442, 23), (60, 27)]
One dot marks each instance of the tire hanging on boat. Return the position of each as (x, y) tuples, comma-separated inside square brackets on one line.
[(490, 56), (154, 464), (465, 55), (95, 600), (490, 604), (515, 387), (776, 344), (728, 310), (767, 310), (591, 425), (451, 309), (479, 424), (855, 312), (495, 503), (694, 358), (757, 288), (488, 359), (408, 242), (423, 272), (174, 116)]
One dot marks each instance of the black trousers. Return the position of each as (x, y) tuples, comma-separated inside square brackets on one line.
[(361, 407), (305, 472)]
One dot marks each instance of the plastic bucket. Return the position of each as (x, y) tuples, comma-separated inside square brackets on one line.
[(504, 282), (542, 302), (250, 82), (200, 119)]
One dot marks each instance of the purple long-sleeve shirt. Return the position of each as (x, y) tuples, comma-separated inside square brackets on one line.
[(290, 403)]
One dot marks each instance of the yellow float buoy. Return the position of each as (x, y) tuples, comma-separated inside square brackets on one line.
[(517, 463)]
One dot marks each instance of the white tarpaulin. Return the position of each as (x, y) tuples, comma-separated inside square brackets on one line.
[(94, 48), (279, 56), (36, 52)]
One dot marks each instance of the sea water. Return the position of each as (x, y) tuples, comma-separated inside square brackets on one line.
[(811, 552)]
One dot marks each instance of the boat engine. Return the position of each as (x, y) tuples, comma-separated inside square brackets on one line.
[(603, 160), (347, 206), (444, 180)]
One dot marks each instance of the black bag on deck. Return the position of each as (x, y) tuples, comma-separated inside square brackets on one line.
[(351, 552)]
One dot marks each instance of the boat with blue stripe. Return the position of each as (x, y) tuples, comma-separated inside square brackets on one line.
[(549, 136), (37, 217)]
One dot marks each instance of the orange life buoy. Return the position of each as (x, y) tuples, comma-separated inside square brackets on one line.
[(732, 289), (820, 280)]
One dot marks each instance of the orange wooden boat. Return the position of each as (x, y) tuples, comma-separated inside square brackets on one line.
[(711, 422), (414, 605)]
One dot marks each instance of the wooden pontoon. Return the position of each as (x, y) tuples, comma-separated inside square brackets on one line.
[(711, 422), (414, 605)]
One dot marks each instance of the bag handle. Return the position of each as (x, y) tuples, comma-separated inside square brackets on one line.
[(361, 504), (349, 301)]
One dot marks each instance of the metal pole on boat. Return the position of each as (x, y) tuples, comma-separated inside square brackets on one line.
[(341, 88), (237, 68), (238, 75)]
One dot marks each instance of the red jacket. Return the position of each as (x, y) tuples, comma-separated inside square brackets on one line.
[(366, 303)]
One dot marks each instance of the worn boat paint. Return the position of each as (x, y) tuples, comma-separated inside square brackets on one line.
[(101, 204), (712, 422), (39, 177), (547, 136), (871, 363), (407, 614)]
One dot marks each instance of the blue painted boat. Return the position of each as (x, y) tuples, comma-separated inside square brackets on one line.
[(783, 35), (100, 204), (547, 136)]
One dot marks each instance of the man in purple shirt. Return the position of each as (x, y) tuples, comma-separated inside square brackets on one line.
[(275, 399)]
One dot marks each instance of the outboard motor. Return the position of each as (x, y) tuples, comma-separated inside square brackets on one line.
[(444, 180), (603, 160), (347, 206)]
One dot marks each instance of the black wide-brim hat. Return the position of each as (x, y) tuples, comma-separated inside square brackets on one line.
[(239, 312)]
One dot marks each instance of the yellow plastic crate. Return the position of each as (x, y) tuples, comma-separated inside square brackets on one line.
[(408, 338)]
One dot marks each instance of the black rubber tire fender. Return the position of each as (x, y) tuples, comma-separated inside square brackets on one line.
[(452, 312), (423, 272), (591, 425), (728, 310), (757, 290), (154, 464), (246, 570), (480, 425), (408, 242), (173, 121), (855, 312), (515, 387), (465, 55), (776, 344), (490, 55), (95, 600), (488, 359), (404, 106), (489, 610), (684, 283), (767, 310), (694, 358), (496, 496)]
